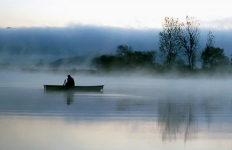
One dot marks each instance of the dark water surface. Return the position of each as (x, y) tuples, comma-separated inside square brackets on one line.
[(130, 113)]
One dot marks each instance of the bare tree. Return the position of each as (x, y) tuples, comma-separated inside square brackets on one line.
[(169, 41), (210, 39), (190, 39)]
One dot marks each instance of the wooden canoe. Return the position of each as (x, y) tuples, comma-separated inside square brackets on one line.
[(95, 88)]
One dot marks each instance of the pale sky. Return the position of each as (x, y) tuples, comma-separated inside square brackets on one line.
[(117, 13)]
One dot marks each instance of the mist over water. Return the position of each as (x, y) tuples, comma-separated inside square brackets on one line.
[(132, 112)]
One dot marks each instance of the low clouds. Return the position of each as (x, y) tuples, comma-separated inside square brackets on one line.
[(73, 41), (219, 24), (55, 43)]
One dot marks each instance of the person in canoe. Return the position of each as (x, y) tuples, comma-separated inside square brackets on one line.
[(69, 81)]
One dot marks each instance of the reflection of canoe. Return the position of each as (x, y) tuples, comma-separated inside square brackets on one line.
[(74, 88)]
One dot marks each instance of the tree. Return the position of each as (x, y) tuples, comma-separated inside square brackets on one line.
[(213, 58), (104, 62), (169, 41), (230, 61), (190, 39), (205, 55), (142, 59), (210, 39), (123, 50), (125, 59)]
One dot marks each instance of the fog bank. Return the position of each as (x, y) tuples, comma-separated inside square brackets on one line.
[(29, 44)]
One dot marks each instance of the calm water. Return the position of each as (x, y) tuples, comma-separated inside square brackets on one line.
[(131, 113)]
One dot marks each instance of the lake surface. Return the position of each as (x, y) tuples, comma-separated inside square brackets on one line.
[(131, 113)]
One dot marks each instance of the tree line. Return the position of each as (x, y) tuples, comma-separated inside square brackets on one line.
[(126, 59), (179, 49), (179, 42)]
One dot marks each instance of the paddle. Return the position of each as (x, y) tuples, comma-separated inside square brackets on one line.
[(64, 82)]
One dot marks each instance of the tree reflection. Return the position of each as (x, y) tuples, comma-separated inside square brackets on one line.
[(176, 119), (211, 105)]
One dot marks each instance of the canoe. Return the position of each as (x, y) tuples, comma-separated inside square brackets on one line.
[(95, 88)]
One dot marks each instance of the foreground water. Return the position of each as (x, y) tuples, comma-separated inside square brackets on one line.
[(131, 113)]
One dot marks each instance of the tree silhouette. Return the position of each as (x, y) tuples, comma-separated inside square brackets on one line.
[(169, 41), (124, 51), (190, 39), (210, 39), (104, 62), (125, 59), (213, 58)]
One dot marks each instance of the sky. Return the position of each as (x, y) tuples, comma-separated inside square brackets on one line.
[(117, 13)]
